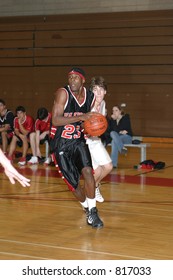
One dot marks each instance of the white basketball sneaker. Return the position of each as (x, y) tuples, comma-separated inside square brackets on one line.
[(48, 161), (98, 195), (33, 160)]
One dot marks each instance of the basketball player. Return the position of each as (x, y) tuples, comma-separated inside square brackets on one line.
[(68, 146), (101, 161), (11, 172)]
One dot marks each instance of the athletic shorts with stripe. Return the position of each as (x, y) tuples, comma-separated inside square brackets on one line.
[(70, 160)]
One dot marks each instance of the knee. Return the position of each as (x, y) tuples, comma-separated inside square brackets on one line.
[(32, 136), (87, 171), (114, 135), (24, 138), (110, 166)]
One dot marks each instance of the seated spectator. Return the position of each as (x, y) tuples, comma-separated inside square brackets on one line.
[(120, 132), (40, 135), (23, 126), (6, 126)]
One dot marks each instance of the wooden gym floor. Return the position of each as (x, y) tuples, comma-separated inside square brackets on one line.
[(45, 222)]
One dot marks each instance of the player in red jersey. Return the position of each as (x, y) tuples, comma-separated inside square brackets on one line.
[(23, 126), (40, 135)]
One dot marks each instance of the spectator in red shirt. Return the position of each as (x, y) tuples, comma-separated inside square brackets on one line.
[(23, 126), (41, 134)]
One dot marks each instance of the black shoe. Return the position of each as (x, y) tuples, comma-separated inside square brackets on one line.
[(93, 219), (41, 159)]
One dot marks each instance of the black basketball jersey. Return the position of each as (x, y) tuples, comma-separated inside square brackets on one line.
[(7, 119), (62, 136)]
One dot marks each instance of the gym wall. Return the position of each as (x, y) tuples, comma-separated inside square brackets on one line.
[(132, 50)]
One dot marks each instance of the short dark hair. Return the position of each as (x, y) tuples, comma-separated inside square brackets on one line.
[(98, 81), (2, 101), (20, 108), (42, 113)]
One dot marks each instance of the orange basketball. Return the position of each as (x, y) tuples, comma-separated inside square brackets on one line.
[(96, 125)]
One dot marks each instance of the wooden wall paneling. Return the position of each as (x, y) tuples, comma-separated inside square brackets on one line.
[(16, 48), (16, 35), (139, 79), (104, 60), (146, 107), (97, 42), (13, 53), (16, 24), (126, 70), (103, 33), (110, 51), (141, 89), (17, 61), (59, 74), (140, 16), (100, 23), (11, 44), (29, 100), (106, 20), (133, 51)]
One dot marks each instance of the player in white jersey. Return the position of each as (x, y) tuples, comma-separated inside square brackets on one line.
[(101, 161)]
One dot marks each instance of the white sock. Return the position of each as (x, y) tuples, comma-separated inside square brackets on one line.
[(84, 204), (98, 185), (91, 202)]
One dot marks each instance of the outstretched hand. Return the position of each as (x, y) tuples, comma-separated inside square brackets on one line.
[(11, 172), (13, 175)]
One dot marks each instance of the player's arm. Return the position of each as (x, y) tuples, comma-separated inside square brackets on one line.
[(5, 127), (58, 118), (24, 130), (16, 127), (16, 132)]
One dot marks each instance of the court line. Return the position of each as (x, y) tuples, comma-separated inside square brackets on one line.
[(21, 255), (45, 201), (122, 212), (70, 249)]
